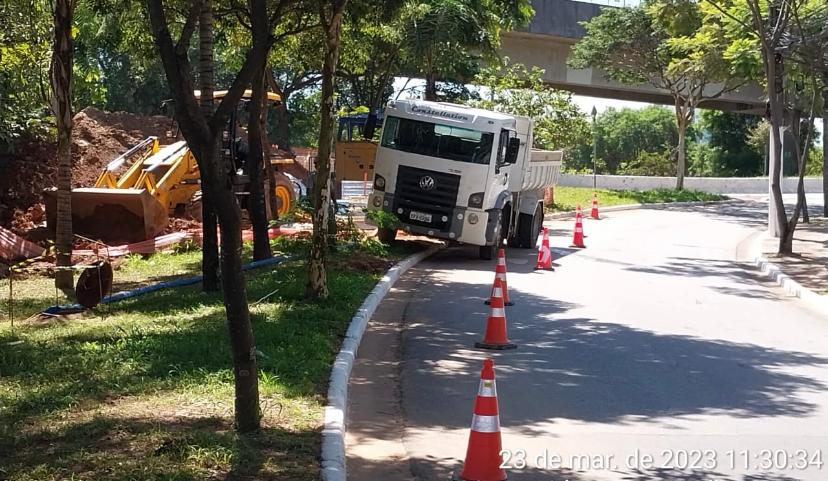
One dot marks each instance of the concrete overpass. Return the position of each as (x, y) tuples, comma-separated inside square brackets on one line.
[(556, 27)]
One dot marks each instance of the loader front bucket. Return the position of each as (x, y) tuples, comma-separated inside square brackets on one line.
[(113, 216)]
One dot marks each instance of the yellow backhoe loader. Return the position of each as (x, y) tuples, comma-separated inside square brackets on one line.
[(137, 192)]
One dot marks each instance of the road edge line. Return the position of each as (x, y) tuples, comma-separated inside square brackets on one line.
[(333, 431), (617, 208), (775, 274)]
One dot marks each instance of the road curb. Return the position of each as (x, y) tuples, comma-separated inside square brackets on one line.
[(774, 273), (617, 208), (333, 432)]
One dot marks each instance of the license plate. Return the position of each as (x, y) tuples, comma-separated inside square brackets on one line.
[(419, 216)]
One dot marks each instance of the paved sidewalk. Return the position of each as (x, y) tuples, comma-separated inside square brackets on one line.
[(809, 264)]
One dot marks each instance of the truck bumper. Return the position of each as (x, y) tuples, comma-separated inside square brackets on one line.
[(469, 226)]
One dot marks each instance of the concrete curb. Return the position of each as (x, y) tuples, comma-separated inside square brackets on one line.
[(617, 208), (333, 432), (775, 274)]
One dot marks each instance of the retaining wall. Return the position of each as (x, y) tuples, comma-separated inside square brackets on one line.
[(716, 185)]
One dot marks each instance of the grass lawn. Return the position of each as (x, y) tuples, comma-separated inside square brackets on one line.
[(143, 388), (567, 198)]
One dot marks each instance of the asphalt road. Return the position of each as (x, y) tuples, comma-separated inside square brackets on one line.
[(658, 340)]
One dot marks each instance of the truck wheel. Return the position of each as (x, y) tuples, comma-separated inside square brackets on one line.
[(385, 235), (529, 227), (488, 253), (284, 194)]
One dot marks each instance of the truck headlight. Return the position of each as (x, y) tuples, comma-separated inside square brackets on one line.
[(379, 182), (377, 201), (473, 218), (476, 200)]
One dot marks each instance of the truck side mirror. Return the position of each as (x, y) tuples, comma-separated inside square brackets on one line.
[(512, 149)]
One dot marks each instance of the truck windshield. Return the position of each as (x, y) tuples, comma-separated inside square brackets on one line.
[(437, 140)]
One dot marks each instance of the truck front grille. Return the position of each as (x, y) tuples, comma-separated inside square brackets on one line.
[(439, 201)]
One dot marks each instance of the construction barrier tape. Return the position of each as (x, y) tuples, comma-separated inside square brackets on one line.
[(21, 266), (485, 424)]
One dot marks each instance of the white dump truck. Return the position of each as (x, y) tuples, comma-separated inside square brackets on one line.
[(461, 174)]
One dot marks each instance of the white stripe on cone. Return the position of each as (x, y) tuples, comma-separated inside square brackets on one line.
[(487, 388), (498, 292), (485, 424), (498, 312)]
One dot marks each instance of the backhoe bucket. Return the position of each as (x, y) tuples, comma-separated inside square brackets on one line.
[(112, 215)]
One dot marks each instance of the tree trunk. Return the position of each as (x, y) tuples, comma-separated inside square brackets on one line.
[(283, 126), (61, 79), (681, 159), (209, 226), (431, 87), (233, 285), (825, 145), (204, 136), (775, 71), (256, 202), (317, 286)]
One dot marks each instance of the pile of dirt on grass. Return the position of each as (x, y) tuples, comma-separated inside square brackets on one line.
[(97, 138)]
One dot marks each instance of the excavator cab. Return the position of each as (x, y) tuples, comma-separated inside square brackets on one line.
[(136, 193)]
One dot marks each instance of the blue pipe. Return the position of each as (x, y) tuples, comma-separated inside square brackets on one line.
[(166, 285)]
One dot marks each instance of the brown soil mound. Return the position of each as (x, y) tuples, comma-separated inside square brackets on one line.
[(97, 138)]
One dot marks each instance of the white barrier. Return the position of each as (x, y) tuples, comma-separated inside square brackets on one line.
[(715, 185), (356, 188)]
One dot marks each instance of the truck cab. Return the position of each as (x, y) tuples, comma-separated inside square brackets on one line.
[(457, 173)]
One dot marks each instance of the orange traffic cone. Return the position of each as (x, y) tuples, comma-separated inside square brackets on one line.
[(578, 236), (544, 253), (483, 459), (495, 337), (594, 213), (500, 273)]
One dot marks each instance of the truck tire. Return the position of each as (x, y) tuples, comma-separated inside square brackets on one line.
[(488, 253), (385, 235), (284, 194), (529, 227)]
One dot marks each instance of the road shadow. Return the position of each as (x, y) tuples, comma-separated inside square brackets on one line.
[(745, 212), (520, 261), (751, 283), (569, 367)]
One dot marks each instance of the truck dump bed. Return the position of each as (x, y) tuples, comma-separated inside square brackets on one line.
[(542, 170)]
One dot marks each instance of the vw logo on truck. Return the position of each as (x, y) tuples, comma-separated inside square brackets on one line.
[(427, 182)]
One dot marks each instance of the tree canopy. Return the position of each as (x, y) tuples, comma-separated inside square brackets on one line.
[(666, 44)]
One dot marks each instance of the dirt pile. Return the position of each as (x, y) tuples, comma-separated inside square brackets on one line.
[(97, 138)]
